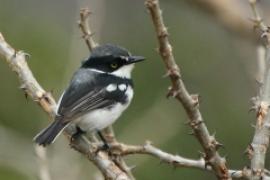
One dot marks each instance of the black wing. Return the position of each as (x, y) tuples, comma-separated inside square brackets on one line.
[(87, 91)]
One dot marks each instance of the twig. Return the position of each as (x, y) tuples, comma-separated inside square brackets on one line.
[(189, 102), (174, 160), (258, 148), (110, 137), (149, 149), (44, 173), (84, 26), (17, 62)]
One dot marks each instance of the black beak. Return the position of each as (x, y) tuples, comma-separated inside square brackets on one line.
[(135, 59)]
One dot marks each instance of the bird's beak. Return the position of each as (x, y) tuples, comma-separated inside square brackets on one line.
[(135, 59)]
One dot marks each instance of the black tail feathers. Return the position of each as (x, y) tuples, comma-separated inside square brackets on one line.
[(48, 135)]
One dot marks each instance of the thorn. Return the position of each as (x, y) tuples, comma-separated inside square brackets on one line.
[(51, 91), (26, 95), (191, 133), (214, 143), (172, 92), (169, 94), (187, 122), (85, 12), (174, 164), (251, 147), (27, 56), (23, 87), (92, 34), (202, 154), (15, 53), (264, 34), (254, 99), (148, 142), (219, 145), (175, 93), (252, 109), (130, 168), (195, 125), (167, 74), (259, 82), (86, 36), (195, 98), (161, 161), (249, 151), (214, 134)]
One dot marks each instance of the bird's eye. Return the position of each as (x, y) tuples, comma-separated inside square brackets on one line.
[(114, 65)]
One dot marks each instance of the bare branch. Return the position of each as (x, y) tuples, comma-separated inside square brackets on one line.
[(84, 26), (110, 137), (44, 173), (257, 19), (174, 160), (101, 159), (147, 148), (17, 62), (189, 102), (258, 148)]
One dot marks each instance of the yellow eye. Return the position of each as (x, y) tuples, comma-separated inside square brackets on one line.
[(114, 65)]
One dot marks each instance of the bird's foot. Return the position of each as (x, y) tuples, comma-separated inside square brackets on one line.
[(105, 147), (77, 134)]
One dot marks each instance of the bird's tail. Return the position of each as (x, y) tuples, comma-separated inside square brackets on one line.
[(48, 135)]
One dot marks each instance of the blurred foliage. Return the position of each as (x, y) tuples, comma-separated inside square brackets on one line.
[(217, 65), (10, 174)]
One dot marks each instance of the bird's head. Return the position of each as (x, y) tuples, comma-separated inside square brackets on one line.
[(112, 59)]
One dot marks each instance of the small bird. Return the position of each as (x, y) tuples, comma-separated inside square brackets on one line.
[(99, 91)]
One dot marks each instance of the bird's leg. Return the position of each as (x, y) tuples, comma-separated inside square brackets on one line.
[(78, 133), (105, 146)]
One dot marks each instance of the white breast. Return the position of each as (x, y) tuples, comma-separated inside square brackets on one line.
[(99, 119)]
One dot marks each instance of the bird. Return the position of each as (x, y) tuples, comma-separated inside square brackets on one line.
[(98, 93)]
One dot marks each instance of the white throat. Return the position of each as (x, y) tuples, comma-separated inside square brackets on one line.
[(124, 71)]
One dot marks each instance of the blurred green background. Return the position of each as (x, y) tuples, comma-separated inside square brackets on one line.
[(216, 63)]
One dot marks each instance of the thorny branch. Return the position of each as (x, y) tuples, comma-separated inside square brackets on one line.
[(84, 26), (189, 102), (175, 160), (258, 148)]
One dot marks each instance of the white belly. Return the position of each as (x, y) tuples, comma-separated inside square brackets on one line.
[(102, 118)]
